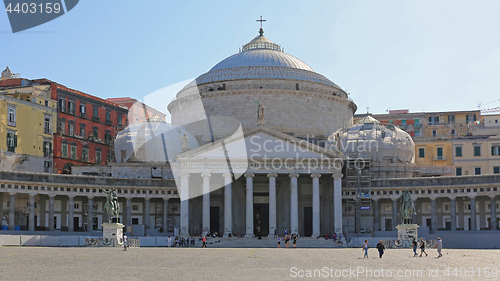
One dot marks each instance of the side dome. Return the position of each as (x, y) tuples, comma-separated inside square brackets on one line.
[(151, 141), (371, 140)]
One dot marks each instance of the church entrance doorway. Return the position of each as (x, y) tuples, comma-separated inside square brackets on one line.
[(308, 218), (261, 219), (214, 219)]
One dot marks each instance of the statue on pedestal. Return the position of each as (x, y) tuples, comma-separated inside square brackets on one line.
[(185, 140), (407, 208), (111, 205)]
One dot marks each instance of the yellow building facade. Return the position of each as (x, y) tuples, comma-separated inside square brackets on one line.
[(28, 121)]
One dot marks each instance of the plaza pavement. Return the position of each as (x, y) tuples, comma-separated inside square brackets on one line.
[(39, 263)]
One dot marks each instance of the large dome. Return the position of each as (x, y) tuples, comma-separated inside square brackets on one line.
[(262, 58)]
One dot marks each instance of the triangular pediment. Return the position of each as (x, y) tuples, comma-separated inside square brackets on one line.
[(258, 143)]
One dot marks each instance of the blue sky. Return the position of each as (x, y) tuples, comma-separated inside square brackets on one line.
[(417, 55)]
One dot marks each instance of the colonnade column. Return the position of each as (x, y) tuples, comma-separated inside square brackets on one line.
[(472, 212), (316, 205), (31, 215), (206, 202), (165, 215), (90, 214), (228, 204), (376, 214), (249, 205), (294, 204), (493, 209), (394, 213), (12, 210), (433, 214), (414, 215), (128, 212), (71, 209), (272, 203), (337, 202), (51, 212), (184, 231), (147, 212), (453, 210)]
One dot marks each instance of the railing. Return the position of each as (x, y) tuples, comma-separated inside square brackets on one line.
[(96, 118), (83, 114), (108, 122), (440, 158)]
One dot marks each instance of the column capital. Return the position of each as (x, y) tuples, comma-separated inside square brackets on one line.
[(12, 193), (315, 175), (184, 175), (90, 197), (375, 198), (395, 198), (272, 175), (337, 175), (492, 196), (32, 194), (452, 197), (227, 175), (249, 175), (166, 198), (71, 196), (147, 198), (206, 175), (472, 196), (293, 175), (51, 195), (433, 198)]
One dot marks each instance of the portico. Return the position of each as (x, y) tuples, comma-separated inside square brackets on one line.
[(277, 182)]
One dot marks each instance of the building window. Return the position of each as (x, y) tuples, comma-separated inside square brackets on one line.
[(403, 122), (477, 171), (83, 111), (451, 119), (417, 122), (433, 120), (11, 142), (471, 118), (46, 125), (82, 131), (119, 120), (62, 126), (85, 154), (434, 133), (439, 152), (107, 138), (496, 170), (495, 150), (458, 171), (62, 105), (46, 167), (452, 132), (12, 116), (458, 151), (71, 107), (108, 117), (73, 152), (98, 157), (64, 151), (71, 130), (96, 134), (47, 148), (110, 156), (47, 103), (417, 133), (421, 152), (96, 112), (477, 151)]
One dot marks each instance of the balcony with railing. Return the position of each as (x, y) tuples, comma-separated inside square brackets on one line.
[(96, 118), (440, 158)]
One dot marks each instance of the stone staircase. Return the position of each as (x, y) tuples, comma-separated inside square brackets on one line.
[(265, 242)]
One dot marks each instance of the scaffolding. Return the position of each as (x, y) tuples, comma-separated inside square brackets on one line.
[(358, 181)]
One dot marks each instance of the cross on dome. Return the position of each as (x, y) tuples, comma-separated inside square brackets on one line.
[(261, 31)]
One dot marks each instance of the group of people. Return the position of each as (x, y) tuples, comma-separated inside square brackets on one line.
[(288, 239), (181, 242), (381, 248)]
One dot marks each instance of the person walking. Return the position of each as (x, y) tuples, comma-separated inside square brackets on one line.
[(295, 240), (169, 242), (279, 242), (204, 242), (439, 246), (365, 248), (275, 233), (125, 241), (422, 247), (414, 245), (286, 231), (380, 248)]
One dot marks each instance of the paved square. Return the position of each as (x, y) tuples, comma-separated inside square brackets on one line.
[(33, 263)]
